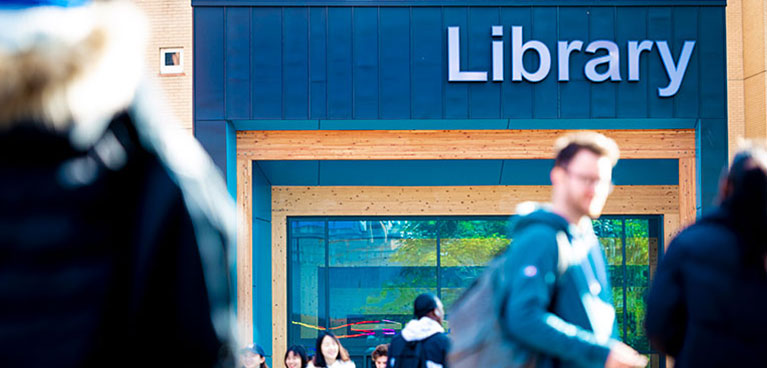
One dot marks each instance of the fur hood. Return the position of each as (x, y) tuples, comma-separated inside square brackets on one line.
[(65, 65), (419, 329)]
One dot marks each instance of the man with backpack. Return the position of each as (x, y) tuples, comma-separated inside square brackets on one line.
[(560, 302), (547, 302), (422, 343)]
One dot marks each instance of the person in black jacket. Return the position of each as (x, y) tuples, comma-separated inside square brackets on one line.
[(708, 301), (423, 342), (114, 224)]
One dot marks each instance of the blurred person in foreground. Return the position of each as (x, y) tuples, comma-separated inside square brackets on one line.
[(560, 302), (709, 296), (114, 226)]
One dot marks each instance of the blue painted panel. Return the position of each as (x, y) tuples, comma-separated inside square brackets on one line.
[(429, 63), (631, 25), (339, 63), (517, 97), (296, 65), (603, 95), (484, 98), (405, 124), (365, 70), (646, 172), (318, 22), (574, 95), (411, 172), (209, 63), (231, 159), (457, 93), (602, 123), (713, 71), (212, 137), (546, 96), (395, 64), (266, 63), (237, 63), (449, 172), (276, 124), (686, 29), (526, 172), (262, 282), (627, 172), (712, 159), (526, 3), (262, 188), (291, 172), (659, 27)]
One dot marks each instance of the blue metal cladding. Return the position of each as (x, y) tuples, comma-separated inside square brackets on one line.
[(391, 63)]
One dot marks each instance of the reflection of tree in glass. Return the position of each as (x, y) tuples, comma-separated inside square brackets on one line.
[(631, 276), (467, 245)]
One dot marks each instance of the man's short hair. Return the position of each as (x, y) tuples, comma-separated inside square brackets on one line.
[(381, 350), (568, 146)]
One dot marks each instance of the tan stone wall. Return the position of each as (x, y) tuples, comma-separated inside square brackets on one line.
[(747, 70), (170, 24), (736, 119)]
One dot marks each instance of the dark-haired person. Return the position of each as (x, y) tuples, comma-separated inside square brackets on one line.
[(422, 342), (330, 353), (707, 305), (253, 356), (295, 357), (380, 356), (561, 304)]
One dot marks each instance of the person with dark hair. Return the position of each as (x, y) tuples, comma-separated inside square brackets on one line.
[(115, 225), (380, 356), (707, 305), (330, 353), (560, 303), (295, 357), (253, 356), (423, 342)]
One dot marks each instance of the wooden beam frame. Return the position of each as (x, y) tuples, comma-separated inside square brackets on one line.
[(446, 144), (676, 203)]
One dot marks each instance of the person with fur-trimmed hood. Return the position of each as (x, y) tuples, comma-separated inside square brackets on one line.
[(423, 342), (114, 224)]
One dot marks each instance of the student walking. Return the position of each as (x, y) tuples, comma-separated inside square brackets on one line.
[(295, 357), (708, 300), (330, 353), (422, 343), (560, 303)]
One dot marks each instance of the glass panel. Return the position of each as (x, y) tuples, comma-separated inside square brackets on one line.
[(637, 242), (377, 268), (307, 280), (618, 303), (635, 317), (466, 246), (610, 233), (359, 277)]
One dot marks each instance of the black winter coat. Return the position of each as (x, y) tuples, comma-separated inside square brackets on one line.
[(111, 256), (434, 344), (708, 303)]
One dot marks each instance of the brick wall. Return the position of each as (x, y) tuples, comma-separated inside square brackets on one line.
[(170, 24), (747, 70)]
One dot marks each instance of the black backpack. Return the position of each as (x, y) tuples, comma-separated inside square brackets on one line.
[(412, 355)]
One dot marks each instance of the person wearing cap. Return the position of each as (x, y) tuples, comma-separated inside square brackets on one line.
[(114, 223), (253, 356), (423, 341)]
